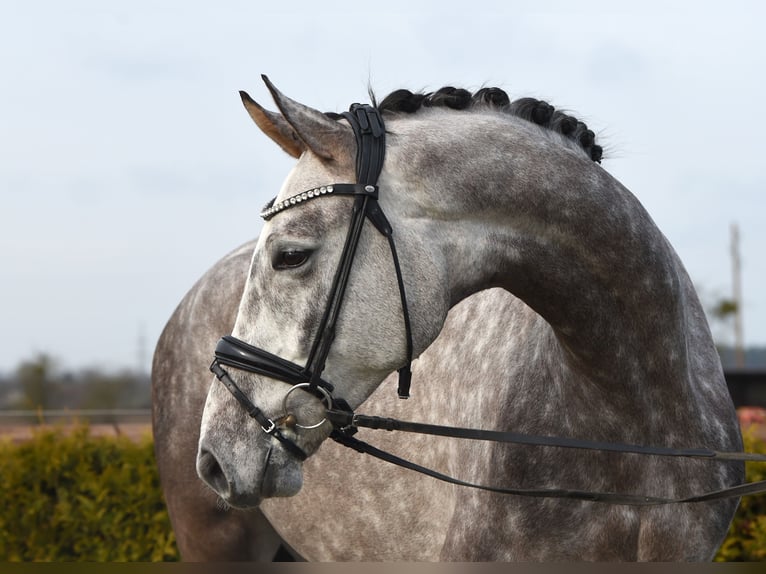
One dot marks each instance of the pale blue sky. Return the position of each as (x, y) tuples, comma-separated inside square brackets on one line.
[(128, 165)]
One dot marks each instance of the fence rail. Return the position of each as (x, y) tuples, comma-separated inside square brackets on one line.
[(746, 386)]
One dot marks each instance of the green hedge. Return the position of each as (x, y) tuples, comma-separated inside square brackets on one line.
[(746, 540), (82, 497), (75, 496)]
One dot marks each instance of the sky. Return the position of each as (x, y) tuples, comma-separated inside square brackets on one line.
[(128, 165)]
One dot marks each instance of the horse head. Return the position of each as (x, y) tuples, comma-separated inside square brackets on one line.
[(291, 289)]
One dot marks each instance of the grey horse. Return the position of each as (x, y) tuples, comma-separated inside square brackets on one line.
[(543, 299)]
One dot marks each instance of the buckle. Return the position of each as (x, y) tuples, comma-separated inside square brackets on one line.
[(271, 428)]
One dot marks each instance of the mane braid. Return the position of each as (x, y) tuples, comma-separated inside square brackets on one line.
[(533, 110)]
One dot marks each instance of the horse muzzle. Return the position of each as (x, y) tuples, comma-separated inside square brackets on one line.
[(245, 483)]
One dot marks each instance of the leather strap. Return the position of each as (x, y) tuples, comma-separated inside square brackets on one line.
[(606, 497), (344, 419), (371, 147), (268, 425), (326, 330), (236, 353)]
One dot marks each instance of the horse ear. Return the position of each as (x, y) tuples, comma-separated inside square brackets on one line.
[(324, 136), (274, 126)]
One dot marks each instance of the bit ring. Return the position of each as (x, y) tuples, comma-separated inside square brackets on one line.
[(327, 400)]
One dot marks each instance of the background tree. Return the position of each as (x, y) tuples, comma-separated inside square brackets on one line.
[(36, 382)]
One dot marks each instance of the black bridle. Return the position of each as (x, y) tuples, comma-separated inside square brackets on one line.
[(232, 352), (370, 135)]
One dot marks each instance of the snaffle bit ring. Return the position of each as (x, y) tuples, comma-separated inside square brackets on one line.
[(327, 399)]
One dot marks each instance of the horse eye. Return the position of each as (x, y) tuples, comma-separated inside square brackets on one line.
[(290, 258)]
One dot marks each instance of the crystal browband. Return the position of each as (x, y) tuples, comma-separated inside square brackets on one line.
[(339, 189)]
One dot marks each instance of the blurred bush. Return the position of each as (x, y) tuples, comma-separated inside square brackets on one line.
[(74, 496), (746, 540)]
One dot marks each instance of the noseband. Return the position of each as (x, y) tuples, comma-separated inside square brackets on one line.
[(370, 135)]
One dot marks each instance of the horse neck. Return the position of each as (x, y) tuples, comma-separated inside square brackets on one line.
[(531, 215)]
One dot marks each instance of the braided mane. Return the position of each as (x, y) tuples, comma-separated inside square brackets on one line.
[(530, 109)]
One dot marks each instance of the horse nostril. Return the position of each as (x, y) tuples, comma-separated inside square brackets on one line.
[(210, 471)]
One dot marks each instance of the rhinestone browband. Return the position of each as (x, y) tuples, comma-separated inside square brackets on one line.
[(271, 210)]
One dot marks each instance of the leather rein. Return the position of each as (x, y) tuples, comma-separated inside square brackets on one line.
[(369, 131)]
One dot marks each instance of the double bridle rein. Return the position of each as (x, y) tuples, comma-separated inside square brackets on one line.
[(369, 132)]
